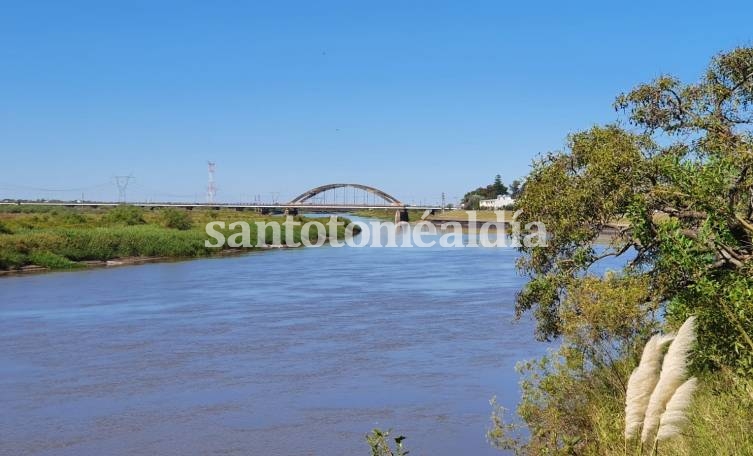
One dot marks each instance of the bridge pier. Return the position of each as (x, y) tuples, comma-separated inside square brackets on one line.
[(401, 215)]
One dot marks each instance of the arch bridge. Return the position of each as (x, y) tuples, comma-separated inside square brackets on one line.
[(346, 195)]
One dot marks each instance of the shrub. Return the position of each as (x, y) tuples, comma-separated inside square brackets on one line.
[(70, 217), (125, 215), (177, 219)]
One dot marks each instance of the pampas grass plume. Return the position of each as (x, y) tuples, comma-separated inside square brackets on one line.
[(642, 382), (674, 417), (673, 375)]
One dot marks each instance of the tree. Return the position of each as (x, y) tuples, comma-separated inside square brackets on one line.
[(515, 188), (689, 204), (472, 202), (676, 193), (491, 191), (498, 188)]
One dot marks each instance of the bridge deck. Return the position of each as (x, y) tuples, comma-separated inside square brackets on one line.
[(299, 206)]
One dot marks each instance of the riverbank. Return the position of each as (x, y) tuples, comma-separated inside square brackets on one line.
[(439, 216), (41, 238)]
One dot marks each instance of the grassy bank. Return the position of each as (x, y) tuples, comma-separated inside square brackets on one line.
[(574, 409), (462, 216), (387, 214), (58, 238), (447, 215)]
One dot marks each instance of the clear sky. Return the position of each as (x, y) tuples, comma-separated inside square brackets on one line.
[(416, 98)]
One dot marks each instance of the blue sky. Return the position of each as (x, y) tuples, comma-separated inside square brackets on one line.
[(417, 98)]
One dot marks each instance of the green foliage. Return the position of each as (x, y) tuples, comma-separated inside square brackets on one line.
[(498, 187), (175, 218), (50, 260), (124, 214), (74, 235), (21, 218), (105, 243), (26, 209), (505, 434), (4, 229), (12, 259), (491, 191), (685, 208), (70, 217), (379, 442), (515, 188), (472, 202), (676, 194), (574, 410), (725, 304)]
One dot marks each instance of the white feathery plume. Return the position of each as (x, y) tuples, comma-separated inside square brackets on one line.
[(642, 382), (673, 374), (674, 417)]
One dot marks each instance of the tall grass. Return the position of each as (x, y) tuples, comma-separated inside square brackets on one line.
[(76, 244), (719, 421), (56, 237)]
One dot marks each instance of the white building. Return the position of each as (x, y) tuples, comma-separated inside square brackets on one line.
[(501, 202)]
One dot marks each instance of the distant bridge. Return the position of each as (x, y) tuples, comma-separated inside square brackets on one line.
[(330, 197)]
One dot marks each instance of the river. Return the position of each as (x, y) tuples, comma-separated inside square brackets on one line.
[(288, 352)]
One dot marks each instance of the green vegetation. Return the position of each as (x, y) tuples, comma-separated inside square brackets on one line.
[(683, 178), (472, 199), (379, 442), (125, 215), (174, 218), (59, 238), (515, 188), (462, 215), (50, 260), (449, 214), (387, 214)]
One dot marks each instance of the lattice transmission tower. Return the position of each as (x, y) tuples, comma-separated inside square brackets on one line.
[(122, 184), (211, 187)]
